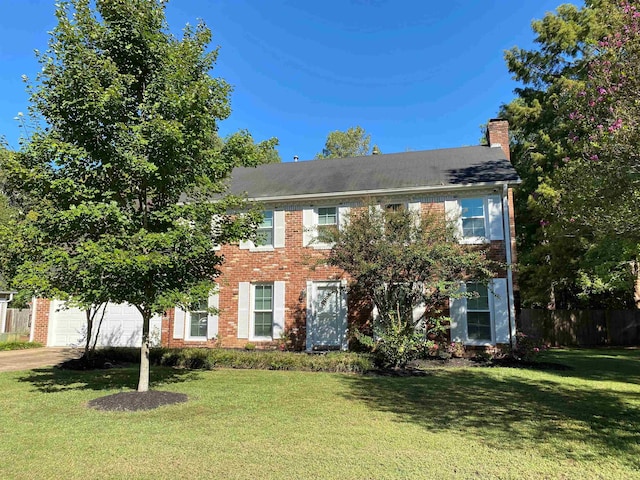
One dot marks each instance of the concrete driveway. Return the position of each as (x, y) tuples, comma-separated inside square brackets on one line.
[(35, 358)]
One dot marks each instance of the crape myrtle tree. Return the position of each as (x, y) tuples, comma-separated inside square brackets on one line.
[(562, 264), (599, 183), (128, 159), (407, 265)]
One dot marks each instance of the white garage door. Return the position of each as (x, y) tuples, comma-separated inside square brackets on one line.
[(121, 327)]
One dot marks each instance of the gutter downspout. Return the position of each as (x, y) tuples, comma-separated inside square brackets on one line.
[(509, 255)]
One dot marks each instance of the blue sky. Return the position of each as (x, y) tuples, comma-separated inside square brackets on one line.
[(416, 75)]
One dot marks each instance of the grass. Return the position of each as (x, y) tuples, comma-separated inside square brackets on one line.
[(18, 345), (454, 423)]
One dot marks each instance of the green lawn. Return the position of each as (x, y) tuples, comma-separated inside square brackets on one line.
[(454, 423)]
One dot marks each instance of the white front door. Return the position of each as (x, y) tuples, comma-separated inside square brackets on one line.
[(326, 316)]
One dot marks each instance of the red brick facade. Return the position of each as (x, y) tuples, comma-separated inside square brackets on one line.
[(41, 320), (294, 264)]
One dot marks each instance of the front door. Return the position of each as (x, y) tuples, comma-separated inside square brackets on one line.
[(327, 316)]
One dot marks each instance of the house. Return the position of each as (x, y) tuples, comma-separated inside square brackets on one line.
[(277, 287)]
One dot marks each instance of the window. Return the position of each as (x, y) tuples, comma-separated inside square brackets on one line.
[(327, 216), (394, 207), (473, 218), (262, 310), (198, 319), (265, 230), (478, 313), (327, 220)]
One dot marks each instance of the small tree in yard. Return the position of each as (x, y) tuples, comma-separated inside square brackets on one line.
[(126, 165), (407, 265)]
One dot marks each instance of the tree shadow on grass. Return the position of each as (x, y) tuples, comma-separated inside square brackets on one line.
[(51, 380), (603, 364), (509, 412)]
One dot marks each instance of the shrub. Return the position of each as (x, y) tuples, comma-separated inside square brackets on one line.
[(527, 347), (205, 358), (19, 345)]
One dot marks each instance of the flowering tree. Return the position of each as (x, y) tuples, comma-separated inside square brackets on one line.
[(408, 266), (600, 183)]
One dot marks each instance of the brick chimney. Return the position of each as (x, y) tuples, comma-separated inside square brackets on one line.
[(498, 135)]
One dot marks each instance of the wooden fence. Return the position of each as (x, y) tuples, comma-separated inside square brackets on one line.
[(18, 320), (585, 328)]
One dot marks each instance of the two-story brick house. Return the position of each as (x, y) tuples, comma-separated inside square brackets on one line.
[(280, 286)]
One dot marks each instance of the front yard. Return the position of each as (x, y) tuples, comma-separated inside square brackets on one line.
[(451, 423)]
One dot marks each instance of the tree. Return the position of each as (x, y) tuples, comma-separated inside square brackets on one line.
[(404, 263), (354, 142), (129, 161), (552, 270), (600, 183)]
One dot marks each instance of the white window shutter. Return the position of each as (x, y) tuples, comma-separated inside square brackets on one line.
[(212, 320), (458, 314), (309, 320), (179, 317), (500, 309), (244, 309), (496, 231), (308, 226), (453, 213), (418, 312), (279, 226), (278, 309), (415, 207), (343, 216)]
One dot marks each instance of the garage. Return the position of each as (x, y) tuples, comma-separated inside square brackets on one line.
[(121, 327)]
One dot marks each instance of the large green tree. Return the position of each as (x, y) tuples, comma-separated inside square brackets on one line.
[(408, 266), (557, 264), (600, 183), (128, 160), (353, 142)]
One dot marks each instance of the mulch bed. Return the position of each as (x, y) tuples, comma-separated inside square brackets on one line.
[(134, 401)]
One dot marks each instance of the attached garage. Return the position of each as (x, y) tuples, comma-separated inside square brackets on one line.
[(121, 327)]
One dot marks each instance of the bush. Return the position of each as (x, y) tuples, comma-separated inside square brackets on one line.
[(527, 347), (19, 345), (204, 358)]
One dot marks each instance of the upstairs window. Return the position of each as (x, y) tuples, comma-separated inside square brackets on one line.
[(327, 216), (473, 218), (327, 220), (265, 230)]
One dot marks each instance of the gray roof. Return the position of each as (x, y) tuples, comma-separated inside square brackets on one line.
[(393, 171)]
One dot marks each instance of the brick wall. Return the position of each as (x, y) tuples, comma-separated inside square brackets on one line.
[(41, 320), (293, 264)]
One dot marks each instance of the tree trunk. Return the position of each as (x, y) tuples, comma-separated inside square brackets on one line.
[(87, 344), (636, 289), (143, 382)]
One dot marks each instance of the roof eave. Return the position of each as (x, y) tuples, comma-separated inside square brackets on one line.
[(387, 191)]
